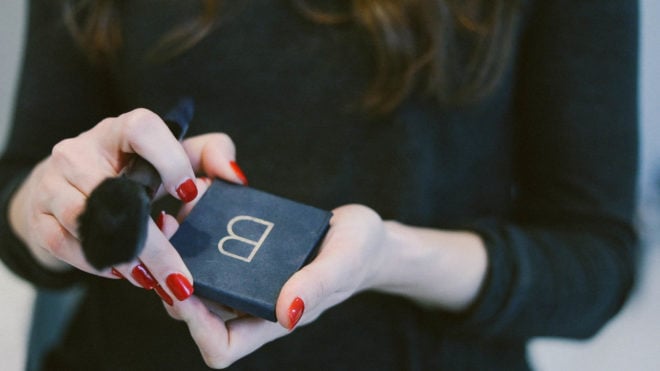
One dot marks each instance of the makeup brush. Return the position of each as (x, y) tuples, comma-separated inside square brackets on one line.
[(113, 226)]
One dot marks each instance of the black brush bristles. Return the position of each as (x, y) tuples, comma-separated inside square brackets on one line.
[(113, 227)]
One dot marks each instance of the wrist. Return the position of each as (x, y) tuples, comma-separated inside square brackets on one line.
[(440, 268), (396, 255)]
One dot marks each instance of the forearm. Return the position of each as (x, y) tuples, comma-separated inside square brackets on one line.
[(439, 268)]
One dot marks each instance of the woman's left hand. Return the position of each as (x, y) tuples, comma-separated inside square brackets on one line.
[(348, 262), (437, 268)]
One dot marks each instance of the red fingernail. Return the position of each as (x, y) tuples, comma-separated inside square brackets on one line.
[(239, 173), (163, 295), (160, 220), (187, 191), (116, 273), (295, 312), (142, 275), (180, 286)]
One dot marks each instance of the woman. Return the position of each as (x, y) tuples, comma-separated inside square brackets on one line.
[(484, 154)]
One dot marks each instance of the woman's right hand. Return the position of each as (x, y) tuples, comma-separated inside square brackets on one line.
[(44, 211)]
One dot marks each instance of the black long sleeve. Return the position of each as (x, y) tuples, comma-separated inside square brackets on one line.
[(565, 262)]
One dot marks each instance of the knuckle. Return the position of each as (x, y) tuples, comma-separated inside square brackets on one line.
[(70, 216), (139, 122), (318, 288), (46, 191), (141, 114), (108, 121), (216, 360), (53, 241), (365, 211), (174, 313), (63, 151), (224, 141), (223, 138)]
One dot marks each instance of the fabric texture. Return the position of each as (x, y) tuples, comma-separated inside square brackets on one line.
[(543, 169)]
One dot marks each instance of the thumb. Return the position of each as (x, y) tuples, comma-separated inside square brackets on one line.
[(293, 299), (309, 291), (308, 287), (167, 224)]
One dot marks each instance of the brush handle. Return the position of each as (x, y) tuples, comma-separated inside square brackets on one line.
[(141, 171)]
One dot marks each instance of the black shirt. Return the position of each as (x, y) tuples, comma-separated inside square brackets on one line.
[(543, 170)]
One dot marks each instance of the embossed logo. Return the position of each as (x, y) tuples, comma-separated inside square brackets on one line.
[(237, 242)]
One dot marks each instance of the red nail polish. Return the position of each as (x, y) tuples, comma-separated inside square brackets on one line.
[(239, 173), (180, 286), (163, 295), (296, 310), (161, 220), (187, 191), (116, 273), (142, 275)]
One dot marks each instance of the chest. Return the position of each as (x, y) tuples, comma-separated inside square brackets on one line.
[(287, 91)]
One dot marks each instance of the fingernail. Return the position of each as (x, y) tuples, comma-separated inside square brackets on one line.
[(187, 190), (142, 275), (180, 286), (163, 295), (296, 310), (239, 173), (160, 220), (116, 273)]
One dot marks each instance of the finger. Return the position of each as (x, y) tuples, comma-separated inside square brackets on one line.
[(208, 331), (83, 172), (57, 241), (224, 312), (321, 281), (67, 204), (215, 155), (303, 293), (165, 265), (137, 272), (167, 224), (250, 333), (222, 343), (126, 270), (144, 133), (202, 185), (139, 275)]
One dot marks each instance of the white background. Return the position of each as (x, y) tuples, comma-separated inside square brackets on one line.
[(630, 342)]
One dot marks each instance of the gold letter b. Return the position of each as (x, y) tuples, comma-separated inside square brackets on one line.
[(233, 236)]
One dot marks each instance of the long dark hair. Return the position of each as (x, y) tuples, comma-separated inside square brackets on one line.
[(415, 42)]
